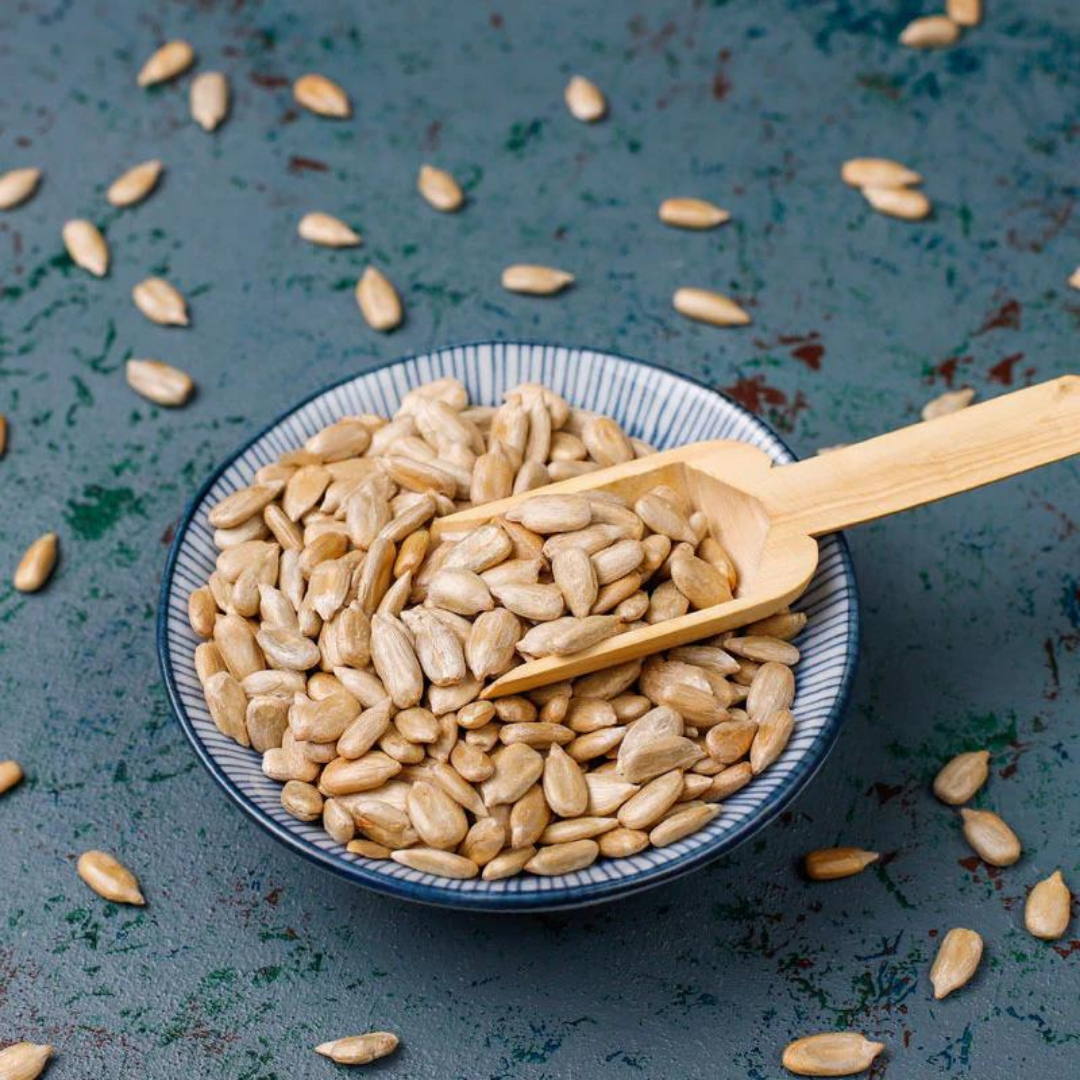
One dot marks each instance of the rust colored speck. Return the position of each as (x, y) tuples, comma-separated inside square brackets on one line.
[(1066, 950), (810, 355), (1002, 371), (268, 82), (273, 896), (1005, 317), (947, 369), (496, 20), (721, 85), (168, 534), (971, 863), (298, 165)]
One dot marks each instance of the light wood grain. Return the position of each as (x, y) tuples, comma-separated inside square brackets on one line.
[(766, 516)]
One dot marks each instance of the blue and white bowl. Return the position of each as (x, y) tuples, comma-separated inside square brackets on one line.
[(651, 403)]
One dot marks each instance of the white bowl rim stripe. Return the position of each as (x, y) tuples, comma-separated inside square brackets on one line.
[(823, 695)]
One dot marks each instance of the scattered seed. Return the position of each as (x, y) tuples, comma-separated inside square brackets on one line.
[(1048, 908), (832, 1053), (135, 185), (328, 231), (878, 173), (320, 95), (10, 774), (359, 1049), (904, 203), (994, 842), (440, 189), (109, 878), (961, 778), (828, 864), (535, 280), (209, 99), (17, 185), (930, 32), (37, 564), (706, 306), (949, 402), (161, 302), (379, 302), (964, 12), (957, 959), (24, 1061), (159, 382), (692, 214), (585, 100), (172, 59), (86, 246)]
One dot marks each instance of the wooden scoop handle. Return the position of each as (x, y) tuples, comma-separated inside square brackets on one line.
[(927, 461)]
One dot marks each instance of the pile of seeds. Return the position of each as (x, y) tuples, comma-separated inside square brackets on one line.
[(350, 649)]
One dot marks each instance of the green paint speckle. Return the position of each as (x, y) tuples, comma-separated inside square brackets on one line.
[(100, 510)]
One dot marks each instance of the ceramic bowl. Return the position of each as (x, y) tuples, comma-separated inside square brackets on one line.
[(654, 404)]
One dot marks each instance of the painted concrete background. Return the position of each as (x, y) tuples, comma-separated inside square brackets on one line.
[(246, 957)]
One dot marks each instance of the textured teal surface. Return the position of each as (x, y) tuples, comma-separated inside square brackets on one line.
[(245, 957)]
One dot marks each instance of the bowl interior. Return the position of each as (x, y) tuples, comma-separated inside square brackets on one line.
[(651, 403)]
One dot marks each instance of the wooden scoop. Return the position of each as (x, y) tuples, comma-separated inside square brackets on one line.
[(766, 516)]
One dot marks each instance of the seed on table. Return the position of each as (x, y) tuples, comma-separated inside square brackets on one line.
[(957, 959), (24, 1060), (961, 778), (585, 100), (37, 564), (964, 12), (359, 1049), (172, 59), (320, 95), (994, 842), (161, 302), (832, 1053), (904, 203), (704, 305), (949, 402), (439, 189), (10, 774), (135, 185), (109, 878), (829, 864), (692, 214), (877, 172), (379, 301), (1074, 277), (159, 382), (930, 32), (535, 280), (86, 246), (326, 230), (17, 185), (1047, 910), (209, 99)]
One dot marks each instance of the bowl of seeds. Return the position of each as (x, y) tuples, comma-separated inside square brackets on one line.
[(329, 650)]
